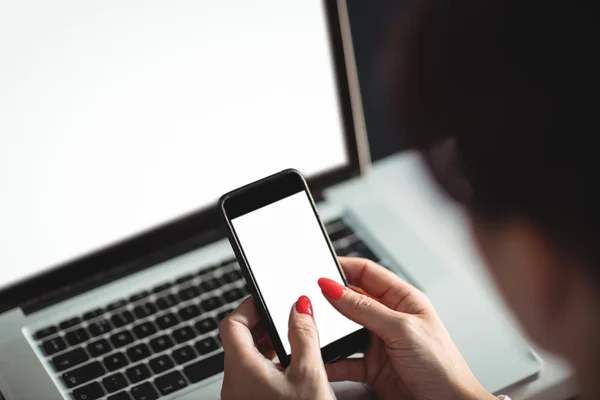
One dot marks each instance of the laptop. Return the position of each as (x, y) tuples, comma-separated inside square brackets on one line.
[(122, 124)]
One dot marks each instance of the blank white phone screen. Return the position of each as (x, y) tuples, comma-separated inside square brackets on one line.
[(286, 250)]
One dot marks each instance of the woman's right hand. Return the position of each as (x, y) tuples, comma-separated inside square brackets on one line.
[(411, 355)]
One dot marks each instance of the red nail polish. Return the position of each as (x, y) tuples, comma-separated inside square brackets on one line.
[(304, 306), (331, 288)]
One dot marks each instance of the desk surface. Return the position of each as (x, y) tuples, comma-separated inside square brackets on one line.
[(408, 190)]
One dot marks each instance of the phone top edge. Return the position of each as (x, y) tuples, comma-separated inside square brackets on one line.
[(262, 192), (260, 182)]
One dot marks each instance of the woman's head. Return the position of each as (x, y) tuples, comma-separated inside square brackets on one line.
[(499, 96)]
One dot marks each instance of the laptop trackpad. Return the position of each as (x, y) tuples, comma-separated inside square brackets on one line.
[(343, 391), (496, 354)]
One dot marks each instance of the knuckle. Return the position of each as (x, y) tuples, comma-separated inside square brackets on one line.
[(226, 324), (306, 330), (406, 332), (304, 372), (362, 304), (409, 326)]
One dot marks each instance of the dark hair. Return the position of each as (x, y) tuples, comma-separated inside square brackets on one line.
[(498, 95)]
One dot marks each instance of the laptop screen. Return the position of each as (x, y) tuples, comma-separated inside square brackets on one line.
[(118, 116)]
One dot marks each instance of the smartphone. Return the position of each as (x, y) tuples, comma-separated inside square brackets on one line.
[(283, 249)]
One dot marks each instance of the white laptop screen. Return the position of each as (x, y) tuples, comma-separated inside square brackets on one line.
[(117, 116)]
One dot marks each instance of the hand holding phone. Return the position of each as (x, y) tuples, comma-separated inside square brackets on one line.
[(257, 377), (283, 250)]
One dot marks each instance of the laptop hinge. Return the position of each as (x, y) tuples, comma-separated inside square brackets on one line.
[(122, 270)]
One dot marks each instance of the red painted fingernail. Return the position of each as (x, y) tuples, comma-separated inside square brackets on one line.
[(304, 306), (332, 288)]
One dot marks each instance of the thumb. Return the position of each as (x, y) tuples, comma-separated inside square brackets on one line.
[(304, 340), (361, 309)]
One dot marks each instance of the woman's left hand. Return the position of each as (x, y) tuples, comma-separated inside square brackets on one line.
[(249, 370)]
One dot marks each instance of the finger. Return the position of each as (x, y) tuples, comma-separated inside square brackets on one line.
[(267, 352), (377, 281), (353, 369), (304, 339), (235, 329), (359, 290), (361, 309), (258, 332), (265, 347)]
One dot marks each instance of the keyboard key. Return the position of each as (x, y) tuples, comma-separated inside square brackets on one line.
[(70, 359), (340, 233), (183, 354), (204, 369), (54, 345), (93, 314), (211, 303), (116, 304), (122, 318), (69, 323), (144, 310), (138, 373), (99, 347), (184, 334), (333, 225), (42, 333), (145, 391), (184, 278), (166, 321), (229, 261), (120, 396), (91, 391), (347, 242), (121, 339), (232, 276), (84, 374), (138, 352), (161, 343), (167, 301), (115, 361), (162, 288), (170, 383), (364, 251), (139, 296), (207, 345), (114, 382), (206, 325), (99, 327), (223, 314), (207, 270), (343, 252), (189, 312), (209, 284), (144, 330), (77, 336), (161, 364), (232, 295), (189, 293)]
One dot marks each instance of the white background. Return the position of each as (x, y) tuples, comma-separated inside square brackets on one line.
[(118, 115), (288, 254)]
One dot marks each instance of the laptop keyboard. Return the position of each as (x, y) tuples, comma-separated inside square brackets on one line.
[(159, 340)]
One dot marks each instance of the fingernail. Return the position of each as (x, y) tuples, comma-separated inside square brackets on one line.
[(331, 288), (304, 306)]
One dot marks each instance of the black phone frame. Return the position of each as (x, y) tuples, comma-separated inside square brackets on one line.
[(260, 194)]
